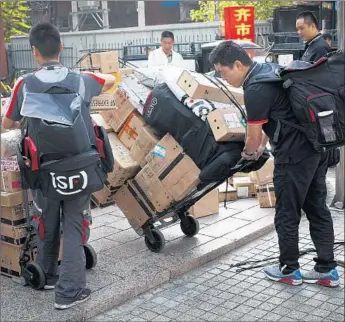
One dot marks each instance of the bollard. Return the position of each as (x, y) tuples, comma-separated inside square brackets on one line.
[(339, 198)]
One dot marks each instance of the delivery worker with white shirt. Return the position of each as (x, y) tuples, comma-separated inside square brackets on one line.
[(165, 55)]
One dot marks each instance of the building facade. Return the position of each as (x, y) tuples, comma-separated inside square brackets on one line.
[(121, 14)]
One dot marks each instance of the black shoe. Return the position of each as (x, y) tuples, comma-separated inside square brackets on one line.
[(83, 297), (50, 282)]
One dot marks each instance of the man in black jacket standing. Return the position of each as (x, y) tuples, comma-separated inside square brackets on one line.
[(299, 174), (308, 29)]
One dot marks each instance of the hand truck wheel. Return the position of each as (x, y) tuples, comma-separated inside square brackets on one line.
[(90, 256), (190, 226), (158, 242), (37, 278)]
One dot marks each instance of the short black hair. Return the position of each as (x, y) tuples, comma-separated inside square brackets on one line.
[(46, 38), (227, 52), (167, 34), (309, 18), (327, 36)]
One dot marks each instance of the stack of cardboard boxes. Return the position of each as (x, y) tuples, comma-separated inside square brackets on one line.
[(150, 172), (12, 218)]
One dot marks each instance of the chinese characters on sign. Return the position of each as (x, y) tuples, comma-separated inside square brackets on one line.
[(239, 23)]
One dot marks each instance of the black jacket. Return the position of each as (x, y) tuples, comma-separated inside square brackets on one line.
[(315, 49)]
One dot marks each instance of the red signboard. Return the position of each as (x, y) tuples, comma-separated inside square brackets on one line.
[(239, 23)]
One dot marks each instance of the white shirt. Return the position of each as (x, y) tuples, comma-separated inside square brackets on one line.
[(159, 58)]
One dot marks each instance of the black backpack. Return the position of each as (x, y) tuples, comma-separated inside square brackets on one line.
[(317, 96), (62, 150)]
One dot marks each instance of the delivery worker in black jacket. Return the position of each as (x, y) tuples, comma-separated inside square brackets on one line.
[(299, 174), (308, 29)]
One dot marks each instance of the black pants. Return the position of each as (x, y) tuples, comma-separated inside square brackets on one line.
[(303, 186)]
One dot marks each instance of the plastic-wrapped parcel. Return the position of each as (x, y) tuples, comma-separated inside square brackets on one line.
[(9, 143)]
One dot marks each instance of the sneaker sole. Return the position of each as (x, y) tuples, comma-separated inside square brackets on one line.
[(284, 280), (48, 287), (67, 306), (327, 283)]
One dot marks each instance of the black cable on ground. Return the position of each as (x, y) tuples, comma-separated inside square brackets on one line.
[(274, 259)]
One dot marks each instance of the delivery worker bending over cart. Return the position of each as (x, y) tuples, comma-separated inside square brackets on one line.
[(299, 175), (65, 178)]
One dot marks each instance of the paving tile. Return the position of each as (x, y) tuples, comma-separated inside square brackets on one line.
[(321, 312), (195, 312), (244, 309), (173, 314), (102, 232), (243, 204), (103, 244), (253, 303), (313, 302), (103, 220), (125, 236), (161, 318), (258, 313), (160, 309), (159, 300), (119, 253), (120, 223), (223, 227), (223, 214), (209, 316), (272, 317), (255, 213), (267, 306), (335, 317)]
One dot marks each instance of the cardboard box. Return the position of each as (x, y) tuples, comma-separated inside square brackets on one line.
[(177, 171), (133, 205), (126, 71), (182, 178), (197, 86), (105, 62), (104, 195), (14, 215), (163, 154), (9, 258), (206, 206), (131, 129), (103, 102), (152, 189), (10, 164), (145, 142), (9, 143), (227, 125), (12, 234), (224, 195), (266, 196), (10, 199), (124, 167), (245, 187), (117, 117), (10, 181), (265, 174), (99, 120)]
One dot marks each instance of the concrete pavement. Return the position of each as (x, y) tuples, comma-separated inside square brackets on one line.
[(127, 268), (216, 292)]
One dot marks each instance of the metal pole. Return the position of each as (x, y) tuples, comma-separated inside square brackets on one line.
[(141, 14), (339, 198)]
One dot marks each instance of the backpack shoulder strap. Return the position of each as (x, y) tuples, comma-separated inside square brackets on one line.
[(72, 83), (268, 74)]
